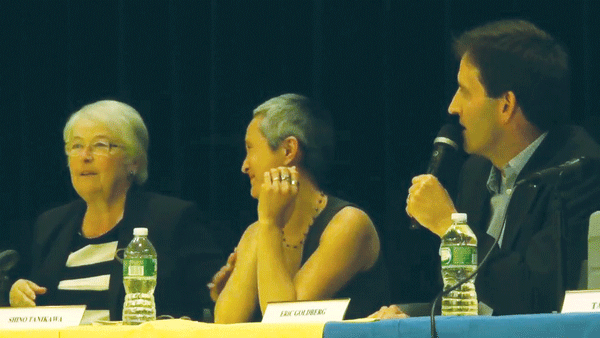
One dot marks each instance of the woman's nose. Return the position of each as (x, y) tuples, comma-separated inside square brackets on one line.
[(245, 166)]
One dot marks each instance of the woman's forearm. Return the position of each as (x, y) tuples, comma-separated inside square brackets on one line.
[(239, 298), (275, 282)]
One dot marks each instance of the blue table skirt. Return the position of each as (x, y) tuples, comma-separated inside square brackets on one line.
[(572, 325)]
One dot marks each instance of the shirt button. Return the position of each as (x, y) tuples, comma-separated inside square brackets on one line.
[(509, 191)]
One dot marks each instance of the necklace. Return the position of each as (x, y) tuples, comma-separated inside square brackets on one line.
[(317, 210)]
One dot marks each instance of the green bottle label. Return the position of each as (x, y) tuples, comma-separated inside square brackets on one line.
[(458, 255), (139, 267)]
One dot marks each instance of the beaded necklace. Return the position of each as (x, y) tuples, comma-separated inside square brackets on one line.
[(318, 210)]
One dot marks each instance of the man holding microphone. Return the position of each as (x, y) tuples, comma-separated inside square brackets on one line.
[(512, 102)]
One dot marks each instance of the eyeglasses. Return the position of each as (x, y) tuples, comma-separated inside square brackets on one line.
[(99, 148)]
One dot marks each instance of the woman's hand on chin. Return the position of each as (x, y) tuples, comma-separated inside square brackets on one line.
[(277, 194)]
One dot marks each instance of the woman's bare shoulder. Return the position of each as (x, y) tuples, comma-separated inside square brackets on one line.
[(352, 219)]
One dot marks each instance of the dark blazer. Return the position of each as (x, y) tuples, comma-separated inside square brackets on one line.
[(546, 227), (187, 254)]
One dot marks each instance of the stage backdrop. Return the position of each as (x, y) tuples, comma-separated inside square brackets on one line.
[(196, 69)]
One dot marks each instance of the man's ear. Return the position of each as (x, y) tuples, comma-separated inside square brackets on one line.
[(291, 150), (508, 106)]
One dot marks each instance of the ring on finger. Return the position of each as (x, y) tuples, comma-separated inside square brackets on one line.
[(293, 182), (285, 177), (276, 178)]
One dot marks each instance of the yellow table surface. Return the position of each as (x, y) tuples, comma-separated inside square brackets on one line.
[(175, 328)]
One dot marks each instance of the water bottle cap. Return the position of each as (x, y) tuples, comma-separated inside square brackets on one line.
[(140, 231), (459, 217)]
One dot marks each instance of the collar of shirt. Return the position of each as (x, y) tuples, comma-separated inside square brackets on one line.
[(497, 182), (500, 184)]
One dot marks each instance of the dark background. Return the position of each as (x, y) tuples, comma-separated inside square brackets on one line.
[(195, 69)]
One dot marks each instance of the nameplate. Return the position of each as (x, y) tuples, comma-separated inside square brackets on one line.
[(306, 311), (581, 301), (40, 317)]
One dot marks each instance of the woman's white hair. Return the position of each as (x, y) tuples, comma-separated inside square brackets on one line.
[(127, 126)]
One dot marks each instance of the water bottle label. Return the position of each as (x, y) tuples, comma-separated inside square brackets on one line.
[(458, 255), (143, 267)]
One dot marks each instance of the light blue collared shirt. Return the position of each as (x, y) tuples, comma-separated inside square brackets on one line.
[(501, 183)]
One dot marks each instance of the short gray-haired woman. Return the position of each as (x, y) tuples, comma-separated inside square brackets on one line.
[(305, 245), (74, 245)]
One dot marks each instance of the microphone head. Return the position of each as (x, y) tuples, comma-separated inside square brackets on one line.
[(568, 171), (450, 134)]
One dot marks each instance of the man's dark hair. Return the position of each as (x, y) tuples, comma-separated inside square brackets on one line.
[(517, 56)]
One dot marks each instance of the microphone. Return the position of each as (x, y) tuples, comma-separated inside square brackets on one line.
[(447, 142), (8, 259), (571, 166), (443, 163)]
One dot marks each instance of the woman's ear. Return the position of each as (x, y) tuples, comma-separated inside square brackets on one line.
[(133, 166), (291, 151)]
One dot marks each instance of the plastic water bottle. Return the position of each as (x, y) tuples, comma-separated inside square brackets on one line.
[(139, 278), (458, 252)]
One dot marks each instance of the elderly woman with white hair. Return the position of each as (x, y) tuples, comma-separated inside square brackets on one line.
[(74, 246), (306, 244)]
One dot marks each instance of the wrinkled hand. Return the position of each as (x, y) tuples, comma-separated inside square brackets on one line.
[(222, 276), (278, 191), (389, 312), (23, 293), (429, 203)]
